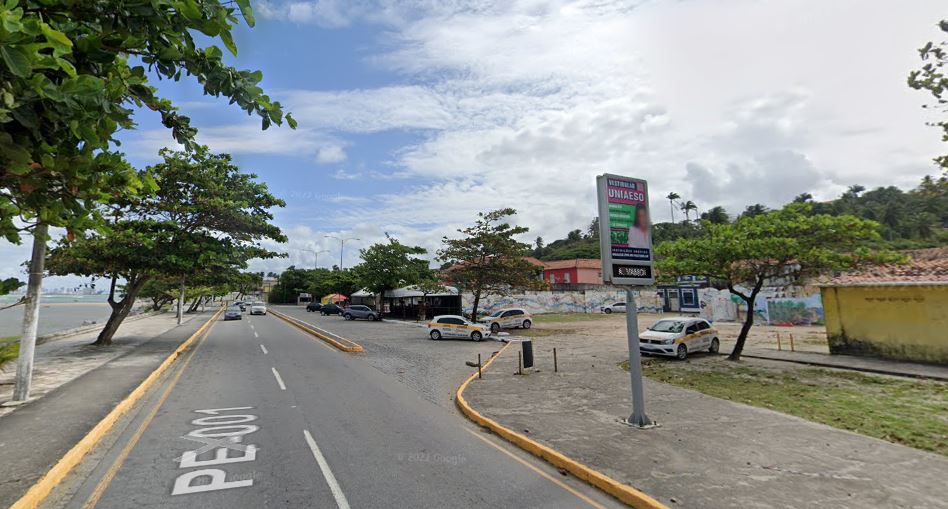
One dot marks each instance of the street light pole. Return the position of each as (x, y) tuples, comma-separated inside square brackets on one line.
[(342, 245)]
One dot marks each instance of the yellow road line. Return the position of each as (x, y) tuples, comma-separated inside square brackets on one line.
[(42, 488), (543, 474), (625, 493), (117, 464)]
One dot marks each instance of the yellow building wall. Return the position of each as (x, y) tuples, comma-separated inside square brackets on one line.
[(895, 322)]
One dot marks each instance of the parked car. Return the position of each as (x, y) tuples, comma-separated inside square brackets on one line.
[(507, 318), (258, 308), (233, 313), (330, 309), (618, 307), (454, 326), (360, 311), (679, 336), (313, 306)]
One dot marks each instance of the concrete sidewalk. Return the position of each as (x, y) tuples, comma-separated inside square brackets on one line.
[(867, 364), (36, 435), (708, 452)]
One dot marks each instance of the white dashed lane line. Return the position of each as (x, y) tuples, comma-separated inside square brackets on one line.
[(327, 472), (255, 334), (264, 349), (276, 374)]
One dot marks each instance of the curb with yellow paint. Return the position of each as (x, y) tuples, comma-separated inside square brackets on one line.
[(622, 492), (351, 347), (42, 488)]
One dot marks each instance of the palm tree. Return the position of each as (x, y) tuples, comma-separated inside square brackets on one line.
[(672, 196), (716, 215), (687, 207)]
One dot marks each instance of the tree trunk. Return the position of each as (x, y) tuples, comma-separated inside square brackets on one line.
[(181, 304), (120, 310), (477, 301), (24, 363), (748, 321)]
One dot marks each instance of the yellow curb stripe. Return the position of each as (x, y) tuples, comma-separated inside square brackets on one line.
[(39, 491), (352, 347), (622, 492)]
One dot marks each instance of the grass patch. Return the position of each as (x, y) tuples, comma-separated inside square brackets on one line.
[(9, 349), (568, 317), (908, 412)]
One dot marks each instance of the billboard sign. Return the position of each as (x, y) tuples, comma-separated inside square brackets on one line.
[(625, 230)]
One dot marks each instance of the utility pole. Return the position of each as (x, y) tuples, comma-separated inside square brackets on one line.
[(342, 245), (24, 363)]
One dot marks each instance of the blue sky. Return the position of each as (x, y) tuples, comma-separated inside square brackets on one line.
[(416, 115)]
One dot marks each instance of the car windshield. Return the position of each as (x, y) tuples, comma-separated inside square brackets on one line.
[(667, 326)]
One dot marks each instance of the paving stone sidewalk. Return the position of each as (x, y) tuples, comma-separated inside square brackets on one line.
[(708, 452)]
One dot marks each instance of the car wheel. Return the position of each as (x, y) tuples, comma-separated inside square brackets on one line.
[(682, 352), (435, 335), (347, 316), (607, 311), (527, 324), (715, 345), (495, 327), (477, 336)]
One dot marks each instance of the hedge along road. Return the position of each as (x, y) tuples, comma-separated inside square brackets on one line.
[(263, 415)]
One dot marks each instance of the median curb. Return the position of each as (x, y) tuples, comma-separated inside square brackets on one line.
[(624, 493), (42, 488), (346, 345)]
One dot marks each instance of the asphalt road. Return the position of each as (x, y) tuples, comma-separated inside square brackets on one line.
[(286, 421)]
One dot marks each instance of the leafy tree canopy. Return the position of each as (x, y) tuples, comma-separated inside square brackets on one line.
[(933, 79), (72, 73), (389, 265)]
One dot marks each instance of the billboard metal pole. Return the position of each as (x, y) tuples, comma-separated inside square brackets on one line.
[(638, 417)]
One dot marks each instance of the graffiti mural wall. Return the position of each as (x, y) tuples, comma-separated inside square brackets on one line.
[(770, 307), (588, 301)]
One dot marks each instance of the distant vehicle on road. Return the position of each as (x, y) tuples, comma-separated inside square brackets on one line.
[(241, 305), (618, 307), (455, 326), (508, 318), (679, 336), (233, 313), (360, 311), (313, 306), (330, 309), (258, 308)]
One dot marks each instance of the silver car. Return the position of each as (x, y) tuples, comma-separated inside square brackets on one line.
[(360, 311), (233, 313)]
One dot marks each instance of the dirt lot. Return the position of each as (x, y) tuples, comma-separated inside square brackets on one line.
[(594, 325)]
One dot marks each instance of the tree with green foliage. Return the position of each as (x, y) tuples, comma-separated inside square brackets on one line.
[(716, 215), (389, 265), (775, 248), (672, 196), (933, 77), (205, 221), (688, 207), (488, 260)]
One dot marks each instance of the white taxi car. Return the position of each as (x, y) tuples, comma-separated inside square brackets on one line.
[(507, 318), (258, 308), (678, 336), (455, 326)]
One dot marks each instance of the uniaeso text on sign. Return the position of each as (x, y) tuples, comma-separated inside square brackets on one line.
[(625, 230)]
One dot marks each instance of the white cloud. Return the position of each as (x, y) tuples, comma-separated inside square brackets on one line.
[(330, 154)]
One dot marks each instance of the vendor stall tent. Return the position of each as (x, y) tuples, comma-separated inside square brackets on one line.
[(333, 298), (408, 303)]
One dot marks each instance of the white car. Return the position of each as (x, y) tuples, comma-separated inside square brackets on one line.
[(455, 326), (258, 308), (618, 307), (507, 318), (679, 336)]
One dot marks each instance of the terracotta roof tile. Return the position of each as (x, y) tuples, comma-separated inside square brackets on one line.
[(926, 266)]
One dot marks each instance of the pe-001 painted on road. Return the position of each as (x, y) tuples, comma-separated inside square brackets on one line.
[(679, 336), (455, 326), (224, 435)]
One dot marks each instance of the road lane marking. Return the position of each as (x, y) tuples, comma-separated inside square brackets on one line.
[(543, 474), (327, 472), (255, 334), (264, 349), (276, 375), (114, 468)]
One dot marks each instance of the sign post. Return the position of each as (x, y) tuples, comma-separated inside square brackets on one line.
[(625, 242)]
